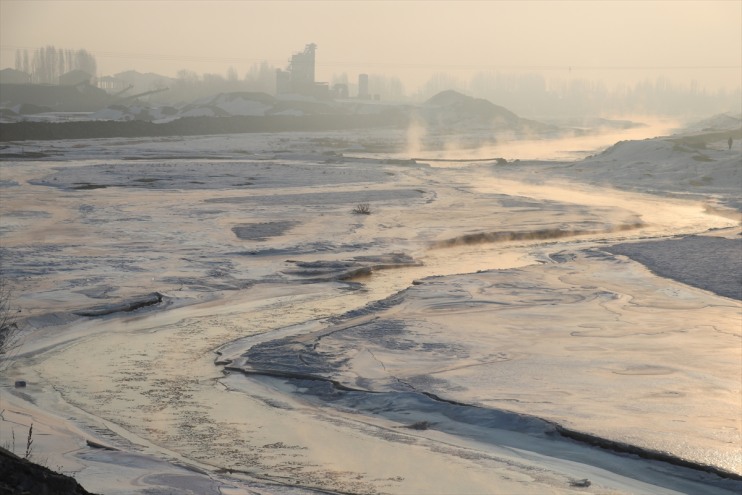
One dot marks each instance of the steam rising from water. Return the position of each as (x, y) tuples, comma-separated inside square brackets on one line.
[(568, 144), (415, 137)]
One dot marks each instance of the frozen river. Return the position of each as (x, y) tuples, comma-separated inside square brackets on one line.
[(484, 329)]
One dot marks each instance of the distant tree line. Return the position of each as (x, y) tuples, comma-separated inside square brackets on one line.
[(189, 85), (46, 64), (533, 95)]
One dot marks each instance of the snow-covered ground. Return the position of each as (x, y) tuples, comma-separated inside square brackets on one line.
[(481, 330)]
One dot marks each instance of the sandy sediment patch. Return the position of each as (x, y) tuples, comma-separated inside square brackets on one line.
[(262, 231), (533, 235)]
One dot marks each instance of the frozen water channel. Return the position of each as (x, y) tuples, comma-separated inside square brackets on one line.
[(215, 312)]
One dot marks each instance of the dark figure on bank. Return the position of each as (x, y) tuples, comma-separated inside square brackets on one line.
[(730, 143)]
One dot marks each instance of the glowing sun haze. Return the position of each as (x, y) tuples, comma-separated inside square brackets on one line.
[(614, 41)]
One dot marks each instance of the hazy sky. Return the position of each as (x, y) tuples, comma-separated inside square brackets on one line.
[(608, 40)]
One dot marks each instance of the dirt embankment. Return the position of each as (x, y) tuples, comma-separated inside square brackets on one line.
[(191, 126), (19, 476)]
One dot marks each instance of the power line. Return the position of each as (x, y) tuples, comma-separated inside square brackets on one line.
[(392, 65), (150, 56)]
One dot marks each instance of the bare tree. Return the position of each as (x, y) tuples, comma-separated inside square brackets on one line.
[(49, 63), (26, 64), (85, 61), (261, 77)]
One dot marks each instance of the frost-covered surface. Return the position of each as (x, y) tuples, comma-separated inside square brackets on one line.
[(725, 121), (456, 339), (695, 166)]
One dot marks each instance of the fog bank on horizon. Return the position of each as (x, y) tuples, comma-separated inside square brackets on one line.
[(684, 42)]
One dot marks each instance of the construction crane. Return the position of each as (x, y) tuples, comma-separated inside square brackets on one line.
[(119, 93), (160, 90)]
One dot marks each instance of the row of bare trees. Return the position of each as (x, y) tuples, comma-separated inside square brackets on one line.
[(46, 64)]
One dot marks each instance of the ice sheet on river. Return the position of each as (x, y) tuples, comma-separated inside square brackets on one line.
[(591, 342), (246, 238)]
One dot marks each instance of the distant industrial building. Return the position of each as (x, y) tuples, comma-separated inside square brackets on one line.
[(75, 77), (112, 84), (363, 93), (299, 76), (340, 90)]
